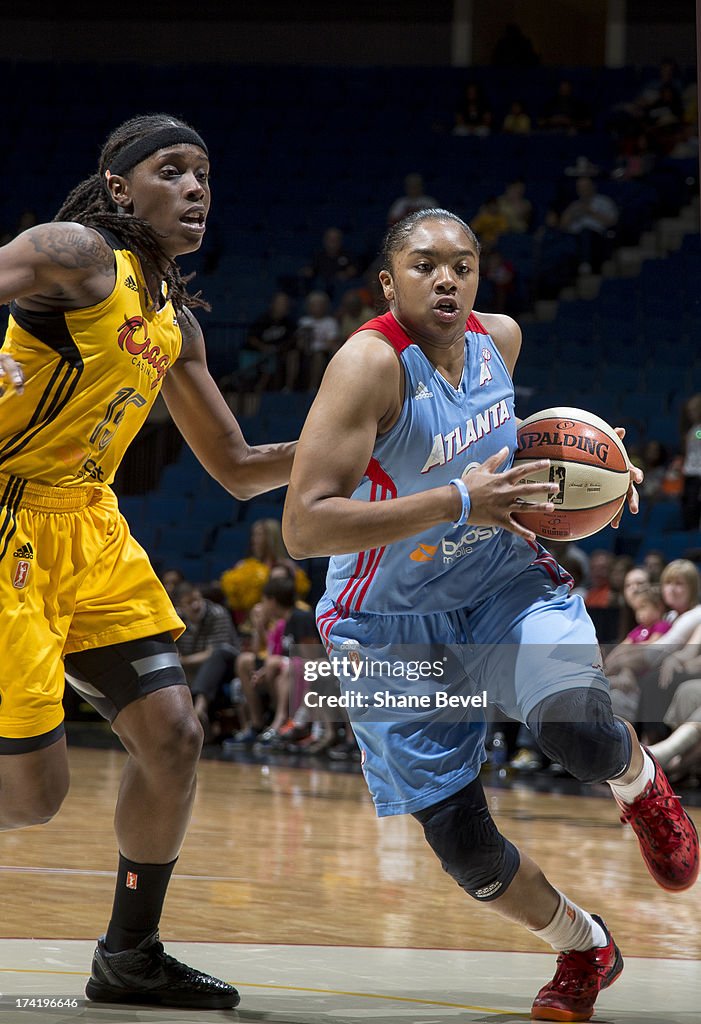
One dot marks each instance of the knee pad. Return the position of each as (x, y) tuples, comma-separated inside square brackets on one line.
[(578, 729), (112, 677), (461, 832)]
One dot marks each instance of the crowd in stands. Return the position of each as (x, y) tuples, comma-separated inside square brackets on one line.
[(240, 648), (333, 290), (249, 634), (246, 640), (648, 618)]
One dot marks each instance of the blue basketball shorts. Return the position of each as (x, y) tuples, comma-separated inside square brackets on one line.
[(527, 642)]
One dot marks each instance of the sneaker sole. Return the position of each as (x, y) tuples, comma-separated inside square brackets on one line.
[(100, 993), (552, 1013)]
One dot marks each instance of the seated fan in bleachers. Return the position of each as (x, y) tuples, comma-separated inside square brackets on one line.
[(242, 585), (352, 313), (207, 649), (591, 217), (566, 112), (317, 339), (516, 208), (332, 265), (271, 337), (414, 199), (271, 680), (691, 441)]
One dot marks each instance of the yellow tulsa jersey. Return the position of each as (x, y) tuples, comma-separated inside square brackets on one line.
[(91, 377)]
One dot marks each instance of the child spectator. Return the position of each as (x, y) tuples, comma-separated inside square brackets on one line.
[(649, 615)]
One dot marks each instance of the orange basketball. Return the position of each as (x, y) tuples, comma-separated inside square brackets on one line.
[(587, 460)]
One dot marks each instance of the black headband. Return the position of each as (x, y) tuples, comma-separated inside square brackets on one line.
[(161, 138)]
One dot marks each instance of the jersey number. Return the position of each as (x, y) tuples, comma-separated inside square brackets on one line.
[(114, 414)]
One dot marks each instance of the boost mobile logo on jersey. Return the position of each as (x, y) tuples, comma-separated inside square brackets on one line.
[(133, 338), (452, 550)]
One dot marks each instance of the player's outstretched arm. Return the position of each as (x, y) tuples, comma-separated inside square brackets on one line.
[(210, 428)]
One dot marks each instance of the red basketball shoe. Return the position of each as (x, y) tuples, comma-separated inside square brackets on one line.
[(668, 838), (579, 978)]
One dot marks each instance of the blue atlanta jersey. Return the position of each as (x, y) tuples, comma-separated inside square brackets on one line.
[(440, 432)]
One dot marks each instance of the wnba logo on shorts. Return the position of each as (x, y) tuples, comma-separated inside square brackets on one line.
[(21, 574)]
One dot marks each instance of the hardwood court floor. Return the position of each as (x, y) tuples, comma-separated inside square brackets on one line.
[(334, 915)]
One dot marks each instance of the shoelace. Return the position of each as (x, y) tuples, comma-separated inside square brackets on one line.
[(661, 830), (571, 966)]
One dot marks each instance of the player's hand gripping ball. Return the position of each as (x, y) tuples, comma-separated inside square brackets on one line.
[(587, 461)]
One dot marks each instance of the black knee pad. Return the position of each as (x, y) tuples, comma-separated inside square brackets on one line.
[(112, 677), (461, 832), (578, 728)]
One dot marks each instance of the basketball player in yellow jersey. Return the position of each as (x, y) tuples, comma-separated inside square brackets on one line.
[(100, 323)]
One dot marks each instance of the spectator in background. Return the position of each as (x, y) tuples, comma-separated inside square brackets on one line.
[(274, 681), (489, 222), (680, 752), (352, 313), (270, 339), (654, 563), (243, 584), (515, 207), (635, 580), (499, 277), (565, 112), (655, 663), (555, 256), (599, 592), (517, 121), (170, 578), (691, 467), (317, 339), (655, 461), (207, 649), (474, 115), (332, 265), (649, 610), (414, 199), (591, 217), (664, 121)]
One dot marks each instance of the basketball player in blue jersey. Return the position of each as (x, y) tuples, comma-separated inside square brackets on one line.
[(100, 321), (402, 475)]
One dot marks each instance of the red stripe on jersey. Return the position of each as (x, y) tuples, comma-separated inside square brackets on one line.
[(388, 326), (473, 324), (380, 478), (359, 571)]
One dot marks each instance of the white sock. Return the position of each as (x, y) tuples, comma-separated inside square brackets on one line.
[(632, 790), (572, 928)]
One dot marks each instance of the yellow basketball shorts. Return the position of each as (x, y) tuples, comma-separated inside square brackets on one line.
[(71, 578)]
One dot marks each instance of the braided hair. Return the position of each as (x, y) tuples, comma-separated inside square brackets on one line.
[(90, 203)]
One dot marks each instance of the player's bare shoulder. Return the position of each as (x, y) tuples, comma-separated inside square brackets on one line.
[(57, 266), (506, 334), (367, 362), (72, 246)]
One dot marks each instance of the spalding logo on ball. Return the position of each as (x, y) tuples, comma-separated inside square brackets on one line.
[(587, 461)]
